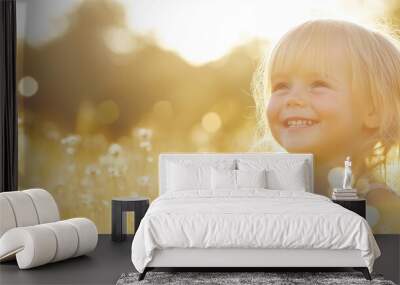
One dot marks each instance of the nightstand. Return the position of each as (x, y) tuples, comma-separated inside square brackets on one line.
[(119, 207), (358, 206)]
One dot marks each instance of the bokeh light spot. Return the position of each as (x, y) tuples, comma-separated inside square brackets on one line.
[(119, 40), (28, 86), (335, 177), (199, 136), (211, 122), (372, 215)]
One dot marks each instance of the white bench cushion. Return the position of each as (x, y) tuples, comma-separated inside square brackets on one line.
[(40, 244)]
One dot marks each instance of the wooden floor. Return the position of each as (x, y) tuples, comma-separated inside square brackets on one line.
[(111, 259)]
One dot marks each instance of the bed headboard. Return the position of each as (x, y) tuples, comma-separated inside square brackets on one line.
[(165, 157)]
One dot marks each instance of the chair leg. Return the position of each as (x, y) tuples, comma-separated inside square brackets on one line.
[(364, 271), (143, 274)]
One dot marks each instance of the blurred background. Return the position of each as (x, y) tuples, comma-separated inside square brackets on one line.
[(104, 86)]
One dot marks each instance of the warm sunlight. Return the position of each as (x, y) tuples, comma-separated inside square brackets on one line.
[(202, 31)]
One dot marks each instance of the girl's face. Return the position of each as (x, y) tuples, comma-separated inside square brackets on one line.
[(312, 112)]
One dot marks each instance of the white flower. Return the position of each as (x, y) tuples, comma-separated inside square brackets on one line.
[(71, 140), (145, 145), (115, 164), (144, 133), (115, 149)]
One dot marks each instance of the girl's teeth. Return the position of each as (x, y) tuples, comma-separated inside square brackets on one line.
[(295, 123)]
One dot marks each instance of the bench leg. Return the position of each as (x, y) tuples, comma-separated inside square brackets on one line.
[(364, 271)]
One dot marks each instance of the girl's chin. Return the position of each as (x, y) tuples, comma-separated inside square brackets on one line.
[(300, 140), (303, 145), (299, 149)]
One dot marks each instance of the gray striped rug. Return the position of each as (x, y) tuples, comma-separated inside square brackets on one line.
[(230, 278)]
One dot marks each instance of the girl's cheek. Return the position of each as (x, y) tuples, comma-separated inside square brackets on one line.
[(328, 105), (273, 109)]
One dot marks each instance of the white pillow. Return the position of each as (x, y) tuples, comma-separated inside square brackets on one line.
[(223, 179), (251, 178), (236, 179), (181, 177), (282, 174), (288, 175), (189, 174)]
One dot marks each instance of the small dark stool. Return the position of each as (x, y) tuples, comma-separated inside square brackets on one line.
[(119, 207)]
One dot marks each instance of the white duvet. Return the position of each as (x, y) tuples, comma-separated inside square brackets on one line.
[(251, 218)]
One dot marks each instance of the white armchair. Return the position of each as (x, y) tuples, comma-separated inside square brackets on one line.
[(31, 230)]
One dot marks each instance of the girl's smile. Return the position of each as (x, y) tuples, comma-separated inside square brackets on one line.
[(298, 122)]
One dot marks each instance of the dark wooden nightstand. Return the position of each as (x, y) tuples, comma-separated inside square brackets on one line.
[(119, 207), (357, 206)]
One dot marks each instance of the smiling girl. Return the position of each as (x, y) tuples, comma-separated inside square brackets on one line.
[(332, 88)]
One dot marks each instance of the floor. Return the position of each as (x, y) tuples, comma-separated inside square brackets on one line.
[(111, 259), (103, 266)]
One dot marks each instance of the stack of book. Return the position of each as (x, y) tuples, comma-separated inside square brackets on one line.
[(344, 194)]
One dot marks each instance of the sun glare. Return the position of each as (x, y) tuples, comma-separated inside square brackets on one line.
[(199, 31), (203, 31)]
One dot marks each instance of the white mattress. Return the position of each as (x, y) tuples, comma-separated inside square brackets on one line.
[(250, 219)]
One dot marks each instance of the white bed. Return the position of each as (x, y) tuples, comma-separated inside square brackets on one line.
[(248, 227)]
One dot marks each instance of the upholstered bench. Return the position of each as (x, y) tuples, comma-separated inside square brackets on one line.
[(31, 232)]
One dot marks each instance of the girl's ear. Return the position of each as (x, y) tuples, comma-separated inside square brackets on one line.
[(371, 120)]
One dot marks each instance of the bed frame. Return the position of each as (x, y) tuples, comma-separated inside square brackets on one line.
[(248, 258)]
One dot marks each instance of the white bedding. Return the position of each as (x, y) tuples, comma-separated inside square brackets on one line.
[(250, 218)]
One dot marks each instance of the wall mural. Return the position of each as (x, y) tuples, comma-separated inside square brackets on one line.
[(105, 86)]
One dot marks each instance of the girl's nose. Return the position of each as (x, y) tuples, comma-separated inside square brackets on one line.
[(295, 101), (297, 96)]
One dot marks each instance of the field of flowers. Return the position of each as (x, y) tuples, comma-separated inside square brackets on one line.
[(85, 171)]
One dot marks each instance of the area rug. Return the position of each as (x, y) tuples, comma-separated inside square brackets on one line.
[(269, 278)]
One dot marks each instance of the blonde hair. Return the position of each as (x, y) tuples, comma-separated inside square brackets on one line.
[(372, 61)]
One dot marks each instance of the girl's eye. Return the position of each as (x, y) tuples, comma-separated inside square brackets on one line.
[(320, 83), (281, 86)]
